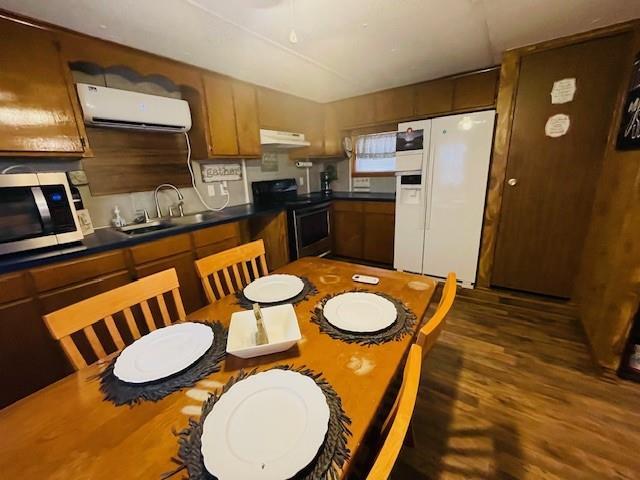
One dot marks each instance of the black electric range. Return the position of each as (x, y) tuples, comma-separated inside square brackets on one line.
[(308, 215)]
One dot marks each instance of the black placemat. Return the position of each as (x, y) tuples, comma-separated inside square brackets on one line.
[(326, 465), (404, 324), (308, 290), (123, 393)]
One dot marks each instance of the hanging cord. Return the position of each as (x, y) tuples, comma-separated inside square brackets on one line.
[(193, 181)]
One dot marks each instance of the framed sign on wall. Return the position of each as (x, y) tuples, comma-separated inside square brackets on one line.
[(221, 171), (629, 133)]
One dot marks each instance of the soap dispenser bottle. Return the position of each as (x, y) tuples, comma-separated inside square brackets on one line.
[(117, 220)]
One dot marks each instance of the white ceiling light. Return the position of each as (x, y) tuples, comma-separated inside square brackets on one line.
[(293, 37)]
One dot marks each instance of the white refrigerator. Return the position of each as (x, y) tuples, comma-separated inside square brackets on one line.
[(439, 208)]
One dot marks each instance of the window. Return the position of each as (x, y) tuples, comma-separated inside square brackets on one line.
[(375, 154)]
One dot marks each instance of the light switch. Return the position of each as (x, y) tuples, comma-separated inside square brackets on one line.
[(211, 190), (300, 181)]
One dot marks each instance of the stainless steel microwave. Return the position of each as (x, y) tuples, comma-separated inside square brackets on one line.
[(36, 210)]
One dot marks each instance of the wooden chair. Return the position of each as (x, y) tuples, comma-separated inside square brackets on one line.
[(429, 333), (86, 314), (221, 266), (400, 418)]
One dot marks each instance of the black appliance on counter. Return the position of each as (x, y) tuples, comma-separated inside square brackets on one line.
[(308, 216)]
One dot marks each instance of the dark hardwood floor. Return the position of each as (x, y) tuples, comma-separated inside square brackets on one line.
[(510, 391)]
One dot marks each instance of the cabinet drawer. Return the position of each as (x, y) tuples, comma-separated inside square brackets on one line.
[(13, 287), (219, 233), (388, 208), (217, 247), (149, 252), (55, 300), (67, 273), (347, 206)]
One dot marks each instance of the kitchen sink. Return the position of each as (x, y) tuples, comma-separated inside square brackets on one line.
[(140, 228), (193, 218)]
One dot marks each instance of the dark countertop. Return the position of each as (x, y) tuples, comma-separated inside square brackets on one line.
[(105, 239)]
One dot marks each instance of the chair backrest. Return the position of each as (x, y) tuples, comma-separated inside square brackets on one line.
[(429, 333), (401, 417), (85, 314), (224, 269)]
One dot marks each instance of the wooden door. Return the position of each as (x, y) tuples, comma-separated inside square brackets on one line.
[(545, 214), (37, 112), (221, 115), (379, 231), (348, 229), (247, 125)]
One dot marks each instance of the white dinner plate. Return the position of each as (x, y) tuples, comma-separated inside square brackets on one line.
[(163, 352), (268, 426), (273, 288), (360, 312)]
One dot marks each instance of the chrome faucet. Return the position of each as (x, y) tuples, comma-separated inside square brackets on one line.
[(179, 204)]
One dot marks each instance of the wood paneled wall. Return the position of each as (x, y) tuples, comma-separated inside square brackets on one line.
[(608, 287)]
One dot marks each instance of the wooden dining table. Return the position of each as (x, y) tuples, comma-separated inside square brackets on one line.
[(68, 431)]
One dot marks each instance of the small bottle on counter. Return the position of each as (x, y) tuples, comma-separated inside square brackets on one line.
[(118, 221)]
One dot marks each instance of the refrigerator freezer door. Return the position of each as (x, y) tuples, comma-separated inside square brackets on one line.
[(456, 188)]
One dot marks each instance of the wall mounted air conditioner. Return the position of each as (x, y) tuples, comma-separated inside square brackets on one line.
[(111, 107), (275, 140)]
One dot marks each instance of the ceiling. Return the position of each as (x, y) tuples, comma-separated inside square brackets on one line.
[(344, 48)]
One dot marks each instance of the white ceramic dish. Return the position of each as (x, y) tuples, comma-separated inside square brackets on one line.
[(360, 312), (266, 427), (280, 323), (163, 352), (273, 288)]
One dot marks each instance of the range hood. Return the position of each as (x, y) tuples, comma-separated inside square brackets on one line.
[(276, 140)]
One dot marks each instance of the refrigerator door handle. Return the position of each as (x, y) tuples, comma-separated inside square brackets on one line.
[(429, 192)]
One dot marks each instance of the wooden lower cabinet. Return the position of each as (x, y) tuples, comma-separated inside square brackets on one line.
[(364, 230), (348, 229), (190, 287), (379, 231), (30, 358)]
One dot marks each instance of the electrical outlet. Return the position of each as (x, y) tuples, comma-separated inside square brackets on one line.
[(211, 190), (223, 188), (300, 181)]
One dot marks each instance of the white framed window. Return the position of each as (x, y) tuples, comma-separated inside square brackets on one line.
[(375, 153)]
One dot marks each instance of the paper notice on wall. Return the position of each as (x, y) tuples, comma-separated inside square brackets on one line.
[(557, 125), (563, 90)]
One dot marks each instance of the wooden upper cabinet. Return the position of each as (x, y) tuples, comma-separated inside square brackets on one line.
[(356, 111), (476, 90), (37, 115), (247, 124), (434, 97), (394, 104), (332, 136), (221, 115), (277, 110)]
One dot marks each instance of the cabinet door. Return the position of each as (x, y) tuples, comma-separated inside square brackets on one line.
[(356, 111), (332, 137), (379, 231), (394, 104), (348, 229), (434, 97), (247, 125), (221, 115), (31, 359), (36, 107), (476, 90), (190, 286)]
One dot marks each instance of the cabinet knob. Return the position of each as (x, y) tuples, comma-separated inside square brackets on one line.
[(512, 182)]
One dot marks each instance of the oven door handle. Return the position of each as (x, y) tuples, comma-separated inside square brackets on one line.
[(43, 209)]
